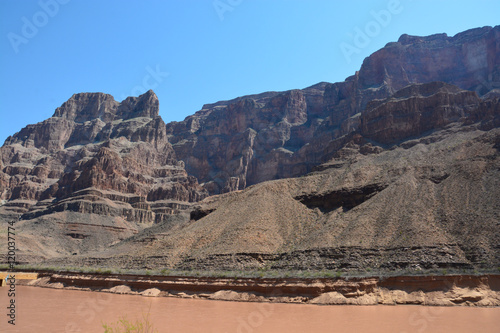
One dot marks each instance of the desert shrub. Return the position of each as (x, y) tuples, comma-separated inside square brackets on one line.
[(124, 325)]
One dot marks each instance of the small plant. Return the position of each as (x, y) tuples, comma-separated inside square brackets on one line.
[(263, 268), (338, 274), (328, 274), (444, 272), (274, 274), (124, 325)]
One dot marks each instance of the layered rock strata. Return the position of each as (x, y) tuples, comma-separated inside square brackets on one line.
[(232, 144), (98, 157), (399, 170)]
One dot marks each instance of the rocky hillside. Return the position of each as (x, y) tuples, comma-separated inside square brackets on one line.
[(430, 201), (398, 167)]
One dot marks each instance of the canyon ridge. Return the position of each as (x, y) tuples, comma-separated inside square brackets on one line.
[(395, 168)]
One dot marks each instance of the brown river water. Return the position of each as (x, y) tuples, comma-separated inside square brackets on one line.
[(52, 310)]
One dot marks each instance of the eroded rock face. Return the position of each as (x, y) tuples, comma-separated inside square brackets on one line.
[(470, 60), (94, 142), (417, 109), (277, 135), (399, 138), (426, 204)]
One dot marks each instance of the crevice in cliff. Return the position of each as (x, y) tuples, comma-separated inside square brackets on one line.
[(75, 235), (199, 213), (346, 198)]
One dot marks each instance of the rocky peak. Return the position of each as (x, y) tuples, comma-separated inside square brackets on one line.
[(89, 117), (146, 105), (470, 60), (84, 107), (406, 39), (97, 156)]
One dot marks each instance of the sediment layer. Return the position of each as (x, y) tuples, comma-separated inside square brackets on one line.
[(463, 290)]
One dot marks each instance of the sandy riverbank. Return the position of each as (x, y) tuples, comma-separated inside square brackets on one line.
[(452, 290)]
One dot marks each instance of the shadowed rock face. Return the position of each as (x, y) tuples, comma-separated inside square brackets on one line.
[(417, 109), (233, 144)]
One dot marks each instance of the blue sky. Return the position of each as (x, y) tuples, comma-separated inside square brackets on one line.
[(196, 52)]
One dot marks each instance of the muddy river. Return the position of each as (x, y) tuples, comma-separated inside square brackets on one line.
[(51, 310)]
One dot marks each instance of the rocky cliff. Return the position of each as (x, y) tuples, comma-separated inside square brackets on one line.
[(427, 200), (96, 157), (233, 144), (399, 169)]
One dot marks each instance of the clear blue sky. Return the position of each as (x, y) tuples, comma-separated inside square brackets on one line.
[(196, 52)]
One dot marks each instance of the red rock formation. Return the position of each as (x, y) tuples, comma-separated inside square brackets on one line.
[(277, 135), (121, 162), (417, 109), (94, 142), (470, 60)]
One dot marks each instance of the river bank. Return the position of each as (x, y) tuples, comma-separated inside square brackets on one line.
[(450, 290)]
